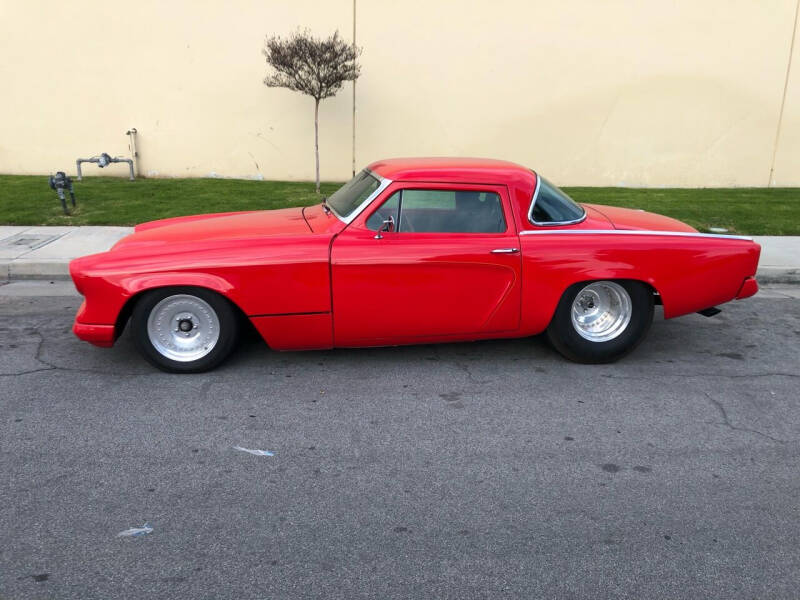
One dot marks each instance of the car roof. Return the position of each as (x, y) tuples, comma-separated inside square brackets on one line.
[(472, 170)]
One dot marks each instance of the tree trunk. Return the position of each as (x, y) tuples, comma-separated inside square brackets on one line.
[(316, 137)]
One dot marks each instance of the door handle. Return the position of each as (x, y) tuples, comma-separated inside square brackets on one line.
[(505, 250)]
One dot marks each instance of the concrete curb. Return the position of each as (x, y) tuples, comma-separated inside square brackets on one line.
[(36, 269), (778, 275)]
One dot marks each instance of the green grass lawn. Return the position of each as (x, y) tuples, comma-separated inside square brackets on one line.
[(750, 211), (27, 200)]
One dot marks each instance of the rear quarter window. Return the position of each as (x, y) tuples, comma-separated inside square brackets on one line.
[(551, 206)]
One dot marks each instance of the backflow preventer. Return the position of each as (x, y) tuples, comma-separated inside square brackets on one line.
[(61, 182), (103, 160)]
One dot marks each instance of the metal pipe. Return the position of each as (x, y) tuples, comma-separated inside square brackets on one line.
[(103, 160), (770, 181), (130, 166), (131, 133)]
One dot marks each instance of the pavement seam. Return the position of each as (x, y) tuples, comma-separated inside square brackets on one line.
[(55, 239)]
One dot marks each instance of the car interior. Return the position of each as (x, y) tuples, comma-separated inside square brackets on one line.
[(441, 211)]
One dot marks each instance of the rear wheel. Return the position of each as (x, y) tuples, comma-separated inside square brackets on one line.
[(184, 330), (601, 321)]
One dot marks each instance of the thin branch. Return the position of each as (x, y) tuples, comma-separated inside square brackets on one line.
[(312, 66)]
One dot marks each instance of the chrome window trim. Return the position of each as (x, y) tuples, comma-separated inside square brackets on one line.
[(399, 209), (419, 186), (637, 232), (550, 223), (383, 184)]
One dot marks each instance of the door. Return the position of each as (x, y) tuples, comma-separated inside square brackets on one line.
[(427, 261)]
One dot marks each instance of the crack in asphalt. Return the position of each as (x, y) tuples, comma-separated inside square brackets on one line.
[(37, 357), (205, 388), (459, 365), (472, 379), (39, 348), (21, 373), (48, 366), (727, 422), (706, 375)]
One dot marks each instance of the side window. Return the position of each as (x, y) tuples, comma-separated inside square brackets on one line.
[(552, 206), (450, 211), (387, 209)]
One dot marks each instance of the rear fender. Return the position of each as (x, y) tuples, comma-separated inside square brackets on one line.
[(690, 272)]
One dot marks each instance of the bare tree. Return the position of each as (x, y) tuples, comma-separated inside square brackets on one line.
[(311, 66)]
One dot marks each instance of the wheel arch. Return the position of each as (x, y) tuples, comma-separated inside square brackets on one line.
[(648, 282), (590, 346), (138, 287)]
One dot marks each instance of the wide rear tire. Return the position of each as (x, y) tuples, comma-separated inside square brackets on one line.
[(184, 329), (601, 321)]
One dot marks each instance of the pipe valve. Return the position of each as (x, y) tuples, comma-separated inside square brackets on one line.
[(60, 182), (103, 160)]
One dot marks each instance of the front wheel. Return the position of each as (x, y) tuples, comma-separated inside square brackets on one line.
[(601, 321), (184, 330)]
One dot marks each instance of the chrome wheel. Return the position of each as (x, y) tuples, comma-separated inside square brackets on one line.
[(183, 328), (601, 311)]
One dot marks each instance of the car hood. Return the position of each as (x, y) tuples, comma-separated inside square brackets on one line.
[(216, 227), (630, 218)]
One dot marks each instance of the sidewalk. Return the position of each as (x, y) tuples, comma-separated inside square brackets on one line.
[(780, 258), (45, 252)]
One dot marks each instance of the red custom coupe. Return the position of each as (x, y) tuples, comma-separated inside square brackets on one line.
[(409, 251)]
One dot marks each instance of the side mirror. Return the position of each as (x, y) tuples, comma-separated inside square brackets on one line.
[(387, 225)]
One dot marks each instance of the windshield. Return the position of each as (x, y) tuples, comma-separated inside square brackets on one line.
[(349, 197), (552, 206)]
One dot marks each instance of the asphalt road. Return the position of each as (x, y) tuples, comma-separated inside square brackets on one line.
[(484, 470)]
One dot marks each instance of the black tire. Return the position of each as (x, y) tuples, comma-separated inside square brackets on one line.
[(222, 347), (564, 336)]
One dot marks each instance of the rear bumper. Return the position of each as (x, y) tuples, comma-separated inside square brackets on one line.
[(749, 288), (99, 335)]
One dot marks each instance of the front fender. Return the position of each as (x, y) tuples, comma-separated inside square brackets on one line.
[(273, 275), (138, 283)]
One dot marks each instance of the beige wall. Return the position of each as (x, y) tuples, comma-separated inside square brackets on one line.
[(620, 92)]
